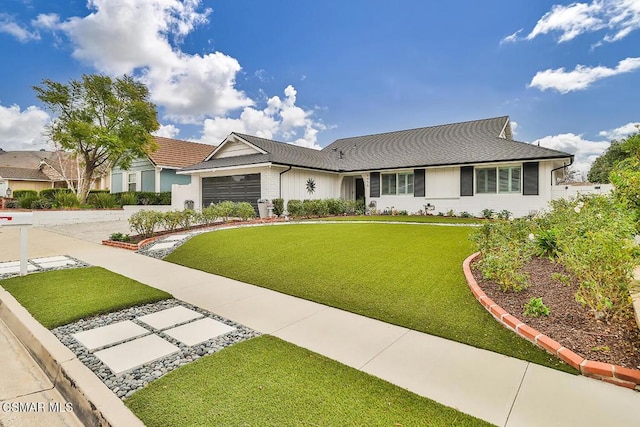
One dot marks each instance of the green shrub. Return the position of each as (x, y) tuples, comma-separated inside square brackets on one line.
[(145, 223), (164, 198), (504, 214), (66, 200), (26, 201), (505, 248), (119, 237), (536, 308), (465, 214), (278, 206), (41, 204), (335, 207), (102, 200), (128, 199), (188, 218), (19, 194), (295, 208), (488, 213), (172, 220), (226, 210), (11, 204), (51, 193), (209, 214), (350, 207), (547, 243), (245, 211)]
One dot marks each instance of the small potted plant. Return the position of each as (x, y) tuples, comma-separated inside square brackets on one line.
[(263, 206)]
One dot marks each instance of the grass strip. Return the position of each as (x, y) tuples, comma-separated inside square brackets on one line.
[(431, 219), (403, 274), (55, 298), (267, 381)]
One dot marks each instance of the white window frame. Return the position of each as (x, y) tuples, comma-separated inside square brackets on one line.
[(510, 179), (398, 189), (134, 182), (497, 170)]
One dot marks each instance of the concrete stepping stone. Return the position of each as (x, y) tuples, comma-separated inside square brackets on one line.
[(161, 246), (11, 269), (170, 317), (133, 354), (176, 237), (104, 336), (199, 331), (51, 262)]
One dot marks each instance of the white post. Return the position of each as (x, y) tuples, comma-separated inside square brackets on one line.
[(23, 251)]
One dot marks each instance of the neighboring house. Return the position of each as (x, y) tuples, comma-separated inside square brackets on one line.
[(157, 171), (467, 166), (37, 170)]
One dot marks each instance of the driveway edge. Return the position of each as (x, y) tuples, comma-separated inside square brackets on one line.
[(614, 374), (93, 403)]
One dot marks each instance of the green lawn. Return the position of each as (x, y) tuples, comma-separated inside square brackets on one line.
[(432, 219), (266, 381), (408, 275), (55, 298)]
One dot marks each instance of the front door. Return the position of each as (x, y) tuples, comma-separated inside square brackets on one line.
[(360, 189)]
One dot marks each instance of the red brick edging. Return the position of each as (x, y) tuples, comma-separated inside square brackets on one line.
[(145, 242), (625, 377)]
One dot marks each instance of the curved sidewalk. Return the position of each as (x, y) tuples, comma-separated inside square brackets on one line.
[(499, 389)]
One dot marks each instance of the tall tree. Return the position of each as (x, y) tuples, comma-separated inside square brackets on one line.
[(104, 122), (603, 165)]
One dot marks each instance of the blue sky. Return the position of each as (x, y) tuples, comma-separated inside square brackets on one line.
[(309, 72)]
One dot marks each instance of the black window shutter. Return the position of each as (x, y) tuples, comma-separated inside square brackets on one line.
[(374, 191), (466, 181), (530, 178), (418, 183)]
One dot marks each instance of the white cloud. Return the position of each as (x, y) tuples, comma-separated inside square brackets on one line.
[(143, 38), (22, 130), (167, 131), (280, 119), (512, 38), (8, 26), (585, 151), (621, 132), (618, 17), (514, 127), (570, 21), (581, 77)]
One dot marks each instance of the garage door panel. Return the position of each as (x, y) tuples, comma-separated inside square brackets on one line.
[(236, 188)]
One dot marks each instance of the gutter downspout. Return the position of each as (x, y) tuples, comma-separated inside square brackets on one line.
[(561, 167), (280, 181)]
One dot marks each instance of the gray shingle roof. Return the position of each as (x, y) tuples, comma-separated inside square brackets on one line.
[(475, 141), (23, 174)]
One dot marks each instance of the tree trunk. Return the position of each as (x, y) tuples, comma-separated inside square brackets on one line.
[(85, 184)]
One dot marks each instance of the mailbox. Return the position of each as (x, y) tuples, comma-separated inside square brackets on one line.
[(8, 218)]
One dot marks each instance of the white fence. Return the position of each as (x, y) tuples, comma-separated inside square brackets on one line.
[(568, 191), (45, 217)]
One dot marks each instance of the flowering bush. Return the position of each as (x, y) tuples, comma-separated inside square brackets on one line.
[(592, 236)]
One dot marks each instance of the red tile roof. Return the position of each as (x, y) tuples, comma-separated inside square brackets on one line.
[(174, 153)]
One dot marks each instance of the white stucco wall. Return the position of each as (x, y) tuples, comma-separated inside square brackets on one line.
[(442, 190)]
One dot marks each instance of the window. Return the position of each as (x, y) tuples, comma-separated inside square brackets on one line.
[(133, 180), (405, 183), (485, 180), (388, 184), (498, 180), (396, 183), (509, 179)]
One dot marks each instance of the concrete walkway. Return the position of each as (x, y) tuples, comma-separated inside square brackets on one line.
[(499, 389), (23, 382)]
